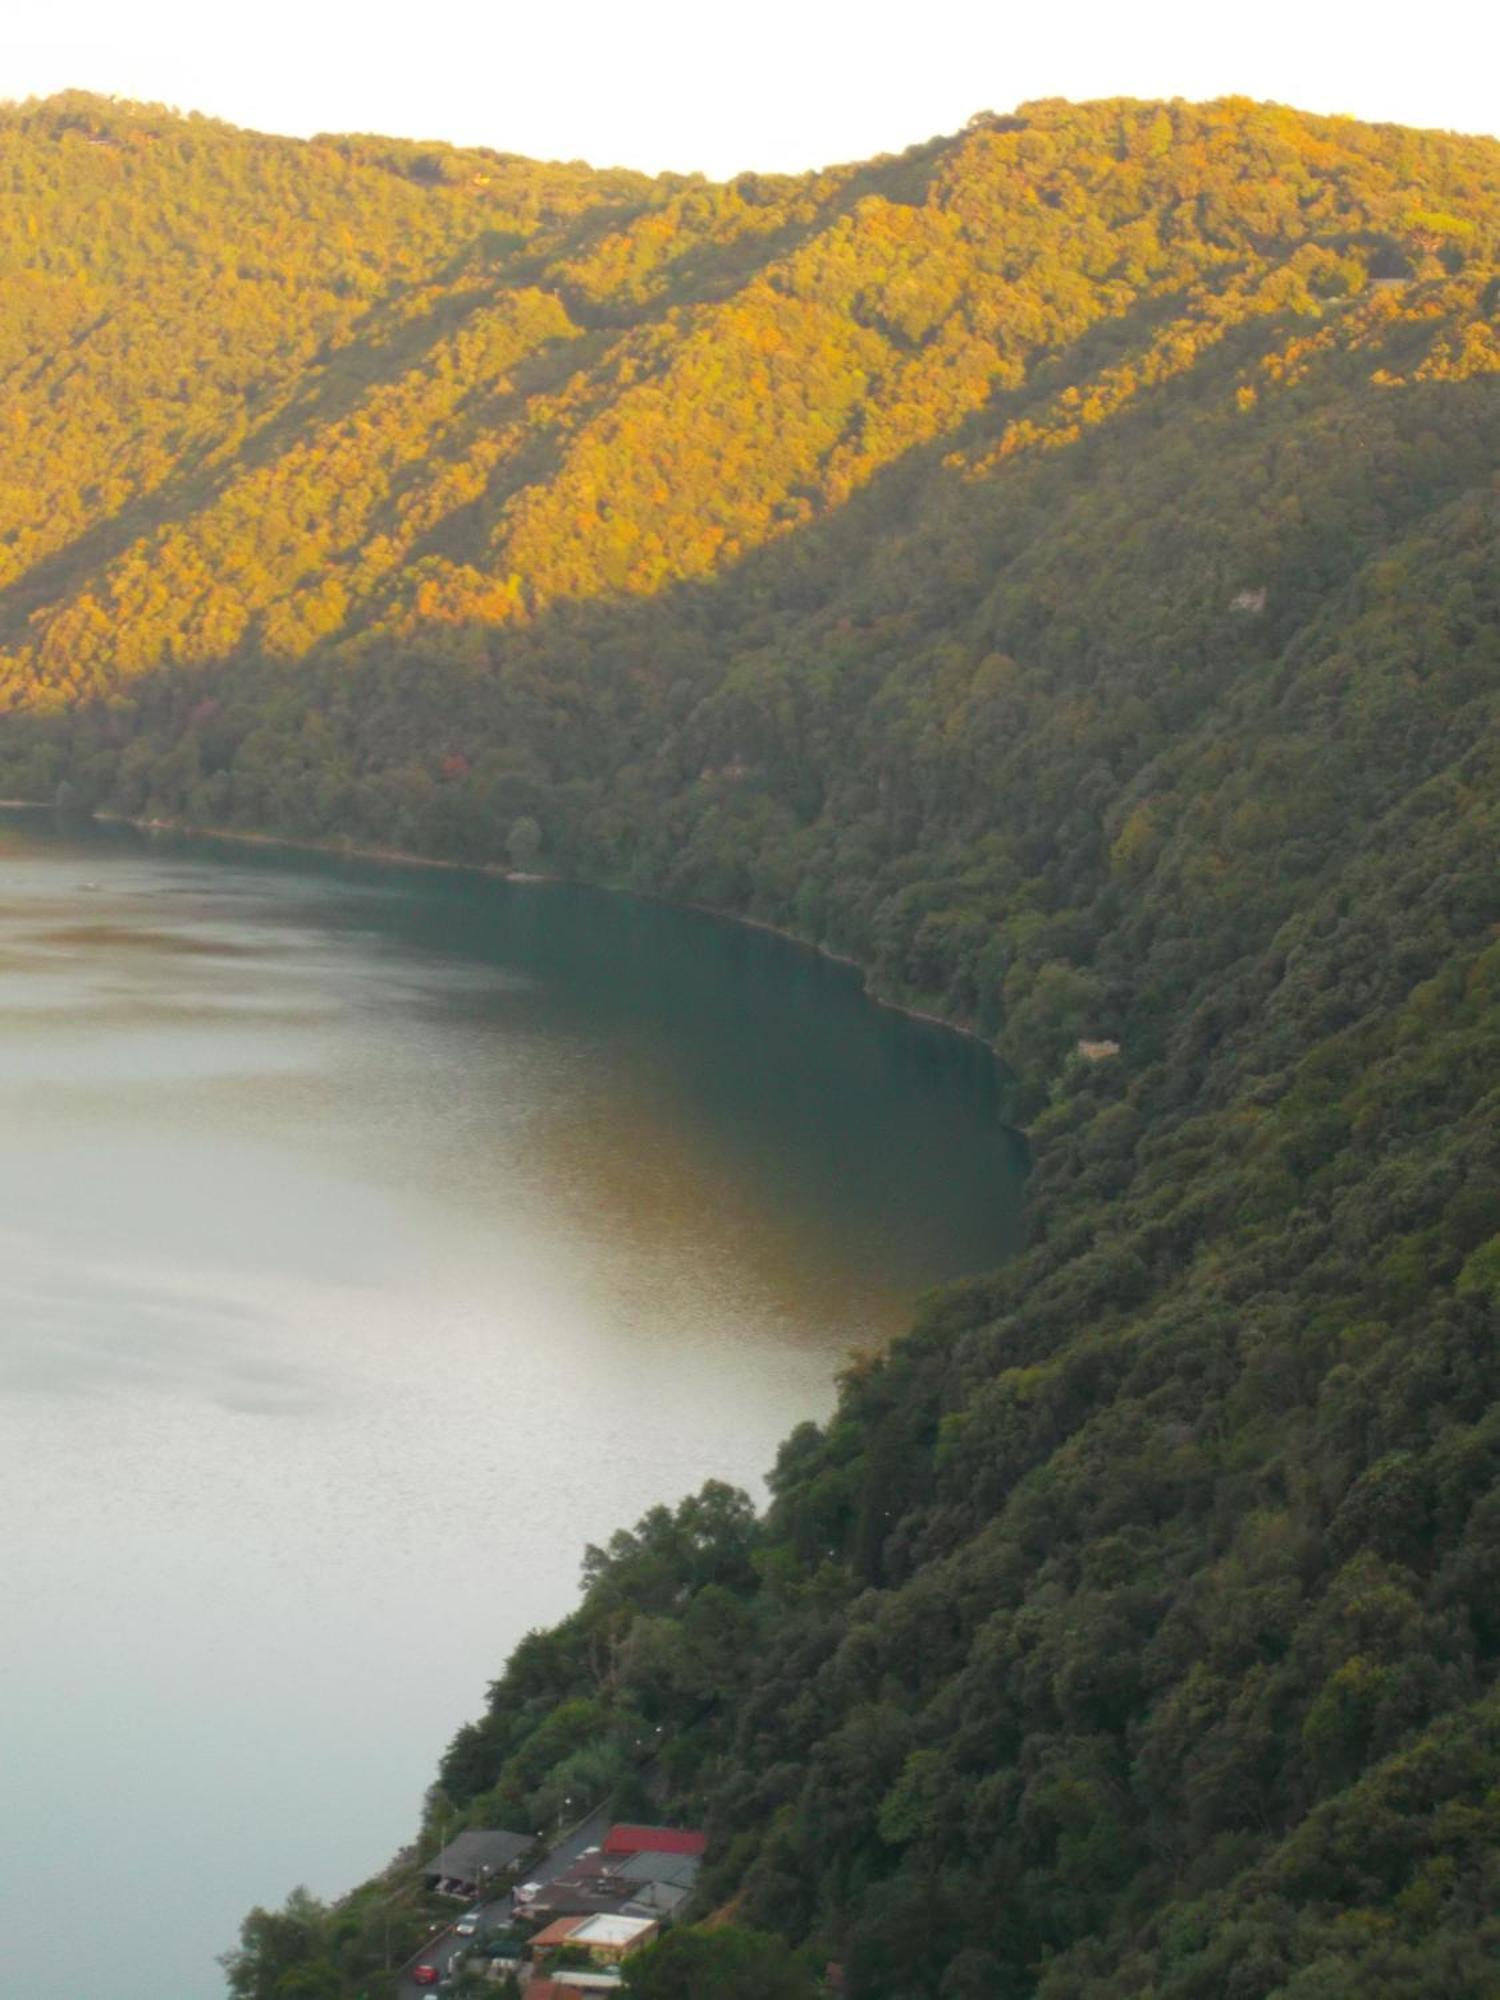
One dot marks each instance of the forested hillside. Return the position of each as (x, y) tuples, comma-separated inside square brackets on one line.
[(1057, 567)]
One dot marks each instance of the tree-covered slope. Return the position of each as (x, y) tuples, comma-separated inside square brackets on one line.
[(1059, 568)]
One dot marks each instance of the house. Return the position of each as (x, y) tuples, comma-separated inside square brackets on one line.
[(654, 1840), (586, 1887), (609, 1937), (655, 1899), (635, 1883), (657, 1884), (555, 1934), (473, 1861), (559, 1900), (648, 1865)]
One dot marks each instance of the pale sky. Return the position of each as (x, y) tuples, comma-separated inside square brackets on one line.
[(725, 85)]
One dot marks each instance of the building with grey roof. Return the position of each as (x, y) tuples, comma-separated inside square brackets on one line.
[(681, 1870), (473, 1860)]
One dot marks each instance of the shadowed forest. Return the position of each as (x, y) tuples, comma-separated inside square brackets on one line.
[(1058, 568)]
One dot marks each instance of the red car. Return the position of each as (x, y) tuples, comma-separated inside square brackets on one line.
[(424, 1975)]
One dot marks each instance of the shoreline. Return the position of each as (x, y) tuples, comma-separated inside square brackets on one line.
[(346, 850)]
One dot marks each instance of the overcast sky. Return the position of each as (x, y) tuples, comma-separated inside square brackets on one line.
[(722, 85)]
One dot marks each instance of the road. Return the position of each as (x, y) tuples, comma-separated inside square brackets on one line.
[(441, 1946)]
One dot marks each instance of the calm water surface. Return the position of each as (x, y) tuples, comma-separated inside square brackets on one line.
[(371, 1239)]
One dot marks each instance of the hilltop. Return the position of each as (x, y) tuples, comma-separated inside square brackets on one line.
[(1058, 568)]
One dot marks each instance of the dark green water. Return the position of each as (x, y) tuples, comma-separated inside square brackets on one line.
[(370, 1239)]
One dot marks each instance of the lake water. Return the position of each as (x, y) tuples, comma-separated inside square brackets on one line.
[(370, 1240)]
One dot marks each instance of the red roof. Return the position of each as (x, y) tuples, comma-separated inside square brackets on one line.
[(653, 1840), (555, 1933)]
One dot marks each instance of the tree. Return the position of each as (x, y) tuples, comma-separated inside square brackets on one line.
[(731, 1963), (523, 844), (281, 1953)]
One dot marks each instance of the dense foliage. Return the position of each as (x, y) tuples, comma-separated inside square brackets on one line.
[(1059, 568), (730, 1962)]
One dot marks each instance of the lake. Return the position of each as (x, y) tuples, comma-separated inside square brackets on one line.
[(374, 1238)]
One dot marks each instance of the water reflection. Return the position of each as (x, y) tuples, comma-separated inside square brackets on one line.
[(79, 1326)]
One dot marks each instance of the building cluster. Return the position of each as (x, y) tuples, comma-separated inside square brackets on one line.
[(572, 1933), (638, 1871)]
